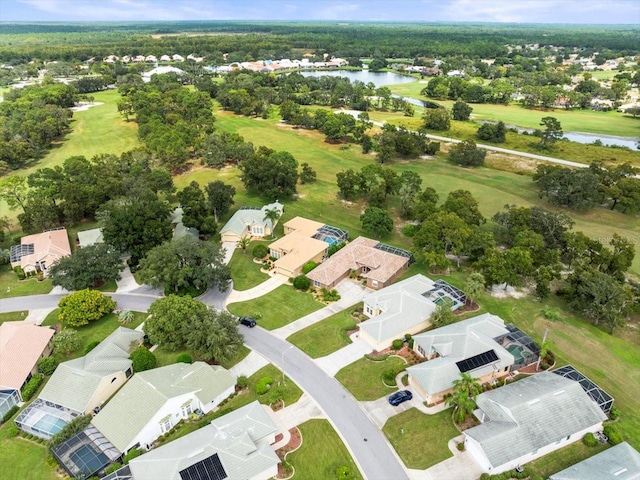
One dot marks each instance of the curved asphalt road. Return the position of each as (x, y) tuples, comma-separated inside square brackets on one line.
[(365, 441)]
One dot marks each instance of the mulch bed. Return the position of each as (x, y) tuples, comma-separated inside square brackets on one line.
[(468, 307), (294, 443), (409, 355)]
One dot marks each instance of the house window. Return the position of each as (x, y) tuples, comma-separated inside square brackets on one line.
[(275, 254), (421, 351), (165, 424), (316, 283), (114, 379), (128, 373), (365, 269), (258, 231), (186, 408), (369, 310)]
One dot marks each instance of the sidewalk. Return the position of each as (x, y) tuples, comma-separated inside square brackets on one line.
[(265, 287), (38, 315), (350, 293), (460, 467), (332, 363), (293, 415), (249, 365)]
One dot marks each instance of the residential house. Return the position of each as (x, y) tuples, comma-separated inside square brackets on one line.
[(250, 222), (21, 346), (146, 76), (37, 252), (378, 263), (179, 230), (471, 346), (405, 307), (80, 385), (304, 241), (528, 419), (90, 237), (154, 401), (235, 446), (620, 462)]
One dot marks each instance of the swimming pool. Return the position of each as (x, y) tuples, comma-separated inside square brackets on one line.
[(49, 424)]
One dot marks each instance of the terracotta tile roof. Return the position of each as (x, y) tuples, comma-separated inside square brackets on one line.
[(20, 348), (48, 247), (303, 226)]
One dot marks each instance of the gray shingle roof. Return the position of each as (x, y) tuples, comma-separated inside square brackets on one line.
[(403, 306), (621, 462), (457, 342), (74, 382), (134, 406), (239, 439), (530, 414), (243, 217)]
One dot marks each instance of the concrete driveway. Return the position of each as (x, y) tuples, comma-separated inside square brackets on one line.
[(380, 410), (258, 291), (460, 466), (333, 363), (249, 365), (229, 248)]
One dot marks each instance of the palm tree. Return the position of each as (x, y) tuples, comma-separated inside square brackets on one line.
[(474, 286), (272, 214), (463, 398), (544, 348), (243, 243)]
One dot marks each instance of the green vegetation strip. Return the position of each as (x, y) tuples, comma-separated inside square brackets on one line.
[(363, 378), (277, 308), (420, 439), (325, 337), (321, 454), (165, 357), (13, 316), (244, 272), (12, 287)]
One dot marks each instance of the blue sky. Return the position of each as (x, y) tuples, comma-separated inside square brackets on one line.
[(524, 11)]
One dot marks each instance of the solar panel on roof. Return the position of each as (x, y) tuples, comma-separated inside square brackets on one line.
[(208, 469), (477, 361)]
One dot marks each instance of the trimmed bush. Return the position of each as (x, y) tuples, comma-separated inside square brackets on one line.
[(242, 382), (613, 434), (409, 340), (90, 346), (13, 431), (309, 266), (260, 251), (142, 359), (19, 273), (614, 413), (590, 440), (10, 413), (301, 282), (32, 386), (112, 468), (263, 385), (47, 365), (485, 476), (397, 344), (131, 454), (184, 358)]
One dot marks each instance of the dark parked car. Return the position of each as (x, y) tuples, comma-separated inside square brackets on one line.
[(399, 397), (249, 322)]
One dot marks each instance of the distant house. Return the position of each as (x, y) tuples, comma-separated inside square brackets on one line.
[(179, 230), (37, 252), (621, 462), (304, 241), (80, 385), (471, 346), (235, 446), (405, 307), (90, 237), (146, 76), (250, 222), (528, 419), (380, 264), (21, 346)]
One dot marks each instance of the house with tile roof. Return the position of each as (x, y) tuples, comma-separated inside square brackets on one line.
[(404, 307), (21, 346), (235, 446), (378, 263), (250, 222), (471, 346), (528, 419), (620, 462), (80, 385), (37, 252), (154, 401)]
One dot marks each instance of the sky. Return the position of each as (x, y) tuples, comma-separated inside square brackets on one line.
[(518, 11)]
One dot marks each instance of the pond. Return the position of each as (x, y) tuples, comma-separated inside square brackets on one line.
[(379, 79)]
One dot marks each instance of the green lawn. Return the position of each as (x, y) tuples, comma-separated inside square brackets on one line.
[(13, 316), (98, 330), (10, 286), (321, 453), (363, 378), (244, 273), (421, 439), (590, 121), (277, 308), (564, 458), (325, 337), (164, 357)]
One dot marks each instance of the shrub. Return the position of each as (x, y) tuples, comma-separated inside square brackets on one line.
[(614, 414), (334, 248), (613, 434), (90, 346), (32, 386), (184, 358), (10, 413), (19, 273), (460, 446), (47, 365), (260, 251), (397, 344), (131, 454), (126, 316), (13, 431), (309, 266), (301, 282), (410, 230), (330, 295), (242, 382), (409, 340), (112, 468), (70, 429), (485, 476), (590, 440), (142, 359), (84, 306), (263, 385)]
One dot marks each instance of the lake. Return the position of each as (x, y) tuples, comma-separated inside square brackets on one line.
[(379, 79)]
